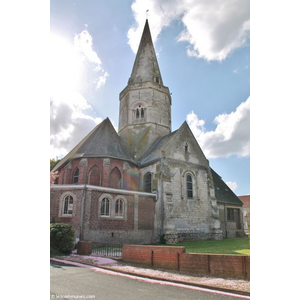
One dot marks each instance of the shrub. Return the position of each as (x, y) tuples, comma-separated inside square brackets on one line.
[(61, 239)]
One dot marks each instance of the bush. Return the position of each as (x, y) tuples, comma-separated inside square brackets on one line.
[(61, 239)]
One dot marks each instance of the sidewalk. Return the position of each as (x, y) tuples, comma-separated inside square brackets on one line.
[(237, 286)]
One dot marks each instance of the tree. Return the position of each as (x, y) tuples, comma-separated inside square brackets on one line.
[(53, 162), (53, 177)]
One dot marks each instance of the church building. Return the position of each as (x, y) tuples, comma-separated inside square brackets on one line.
[(144, 183)]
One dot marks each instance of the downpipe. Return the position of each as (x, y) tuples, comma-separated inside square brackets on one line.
[(82, 213)]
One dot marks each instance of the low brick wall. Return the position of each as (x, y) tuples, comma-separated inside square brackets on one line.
[(226, 266), (157, 256)]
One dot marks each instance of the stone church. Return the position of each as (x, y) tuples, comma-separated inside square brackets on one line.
[(145, 182)]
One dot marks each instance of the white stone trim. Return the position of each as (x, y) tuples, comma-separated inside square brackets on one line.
[(100, 188)]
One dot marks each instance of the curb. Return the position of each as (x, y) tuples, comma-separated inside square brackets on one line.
[(238, 292)]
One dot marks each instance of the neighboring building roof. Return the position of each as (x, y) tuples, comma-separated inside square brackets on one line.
[(102, 141), (223, 192), (246, 200)]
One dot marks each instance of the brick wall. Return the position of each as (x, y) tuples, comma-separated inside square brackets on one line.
[(231, 266), (158, 256), (56, 199), (137, 226)]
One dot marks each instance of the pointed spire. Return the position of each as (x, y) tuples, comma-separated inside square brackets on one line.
[(146, 67)]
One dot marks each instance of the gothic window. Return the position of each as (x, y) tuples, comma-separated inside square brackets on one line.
[(189, 186), (115, 178), (119, 208), (67, 208), (76, 176), (105, 207), (94, 176), (147, 183)]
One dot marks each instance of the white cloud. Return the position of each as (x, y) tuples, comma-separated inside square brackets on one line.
[(69, 123), (233, 185), (83, 43), (74, 68), (101, 80), (213, 29), (231, 136)]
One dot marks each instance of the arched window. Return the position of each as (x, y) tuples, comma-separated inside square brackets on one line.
[(115, 178), (147, 183), (67, 208), (189, 186), (76, 176), (186, 148), (119, 208), (142, 113), (94, 176), (137, 113), (105, 207)]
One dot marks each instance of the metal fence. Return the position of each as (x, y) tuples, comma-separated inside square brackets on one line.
[(108, 250)]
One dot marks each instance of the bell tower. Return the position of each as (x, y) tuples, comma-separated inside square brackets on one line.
[(145, 103)]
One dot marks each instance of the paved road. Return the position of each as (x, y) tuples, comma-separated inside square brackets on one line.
[(72, 282)]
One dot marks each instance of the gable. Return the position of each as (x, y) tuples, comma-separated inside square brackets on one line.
[(184, 146), (179, 145)]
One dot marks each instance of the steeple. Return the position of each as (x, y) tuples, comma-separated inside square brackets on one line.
[(146, 67), (145, 103)]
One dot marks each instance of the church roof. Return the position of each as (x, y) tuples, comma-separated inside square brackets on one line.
[(102, 141), (168, 141), (223, 192), (145, 66), (154, 152)]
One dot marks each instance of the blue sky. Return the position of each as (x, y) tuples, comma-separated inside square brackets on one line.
[(203, 50)]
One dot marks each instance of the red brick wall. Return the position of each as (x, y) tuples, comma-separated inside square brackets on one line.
[(129, 180), (115, 178), (94, 176), (234, 266), (111, 224), (158, 256), (55, 207)]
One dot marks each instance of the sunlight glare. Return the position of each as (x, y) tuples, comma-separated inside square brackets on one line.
[(65, 65)]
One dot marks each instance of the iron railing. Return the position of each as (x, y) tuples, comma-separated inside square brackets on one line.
[(108, 250)]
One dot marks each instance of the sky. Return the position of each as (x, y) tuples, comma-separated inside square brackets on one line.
[(203, 51), (213, 89)]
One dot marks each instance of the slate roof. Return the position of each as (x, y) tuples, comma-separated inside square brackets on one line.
[(154, 152), (102, 141), (223, 192)]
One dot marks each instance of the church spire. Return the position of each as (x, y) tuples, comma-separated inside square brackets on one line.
[(146, 67), (145, 103)]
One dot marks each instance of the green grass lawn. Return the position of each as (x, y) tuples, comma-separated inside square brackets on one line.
[(227, 246)]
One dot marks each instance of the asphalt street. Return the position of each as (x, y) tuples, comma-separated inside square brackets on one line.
[(72, 282)]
